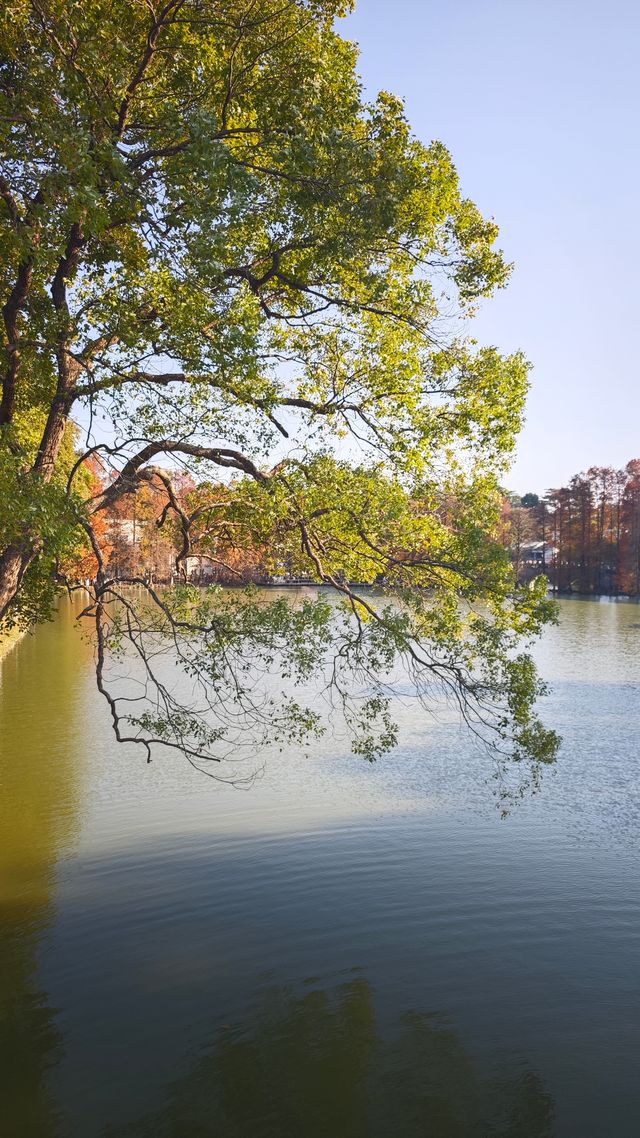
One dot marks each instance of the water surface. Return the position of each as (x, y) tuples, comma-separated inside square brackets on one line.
[(343, 950)]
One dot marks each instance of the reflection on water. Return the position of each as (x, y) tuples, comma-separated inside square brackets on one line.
[(344, 950), (315, 1064), (39, 822), (29, 1040)]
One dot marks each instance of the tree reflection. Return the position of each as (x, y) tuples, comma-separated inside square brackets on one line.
[(39, 795), (319, 1065)]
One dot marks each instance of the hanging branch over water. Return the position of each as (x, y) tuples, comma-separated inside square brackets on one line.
[(224, 263)]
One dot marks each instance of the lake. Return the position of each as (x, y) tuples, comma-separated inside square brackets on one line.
[(341, 951)]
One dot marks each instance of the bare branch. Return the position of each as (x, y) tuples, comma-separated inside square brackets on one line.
[(169, 11), (130, 474)]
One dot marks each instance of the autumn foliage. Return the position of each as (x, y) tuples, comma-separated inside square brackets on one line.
[(589, 531)]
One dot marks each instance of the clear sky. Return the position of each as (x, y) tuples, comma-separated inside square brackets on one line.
[(539, 104)]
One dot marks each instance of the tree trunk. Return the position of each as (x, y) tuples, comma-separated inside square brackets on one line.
[(14, 562), (16, 558)]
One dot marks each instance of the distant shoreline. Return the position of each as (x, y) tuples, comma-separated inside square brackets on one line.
[(303, 583), (566, 595)]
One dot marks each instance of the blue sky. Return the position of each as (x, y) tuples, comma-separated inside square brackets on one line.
[(539, 105)]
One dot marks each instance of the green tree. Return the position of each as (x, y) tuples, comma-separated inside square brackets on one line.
[(209, 237)]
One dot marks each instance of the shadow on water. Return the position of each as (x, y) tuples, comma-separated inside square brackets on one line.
[(316, 1064)]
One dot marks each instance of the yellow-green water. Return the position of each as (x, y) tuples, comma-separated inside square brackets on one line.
[(342, 950)]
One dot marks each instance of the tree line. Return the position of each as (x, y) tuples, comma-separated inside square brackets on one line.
[(195, 541), (585, 536)]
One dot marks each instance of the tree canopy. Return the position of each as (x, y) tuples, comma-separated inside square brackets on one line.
[(211, 241)]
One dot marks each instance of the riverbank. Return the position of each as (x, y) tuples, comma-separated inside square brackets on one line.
[(8, 640)]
